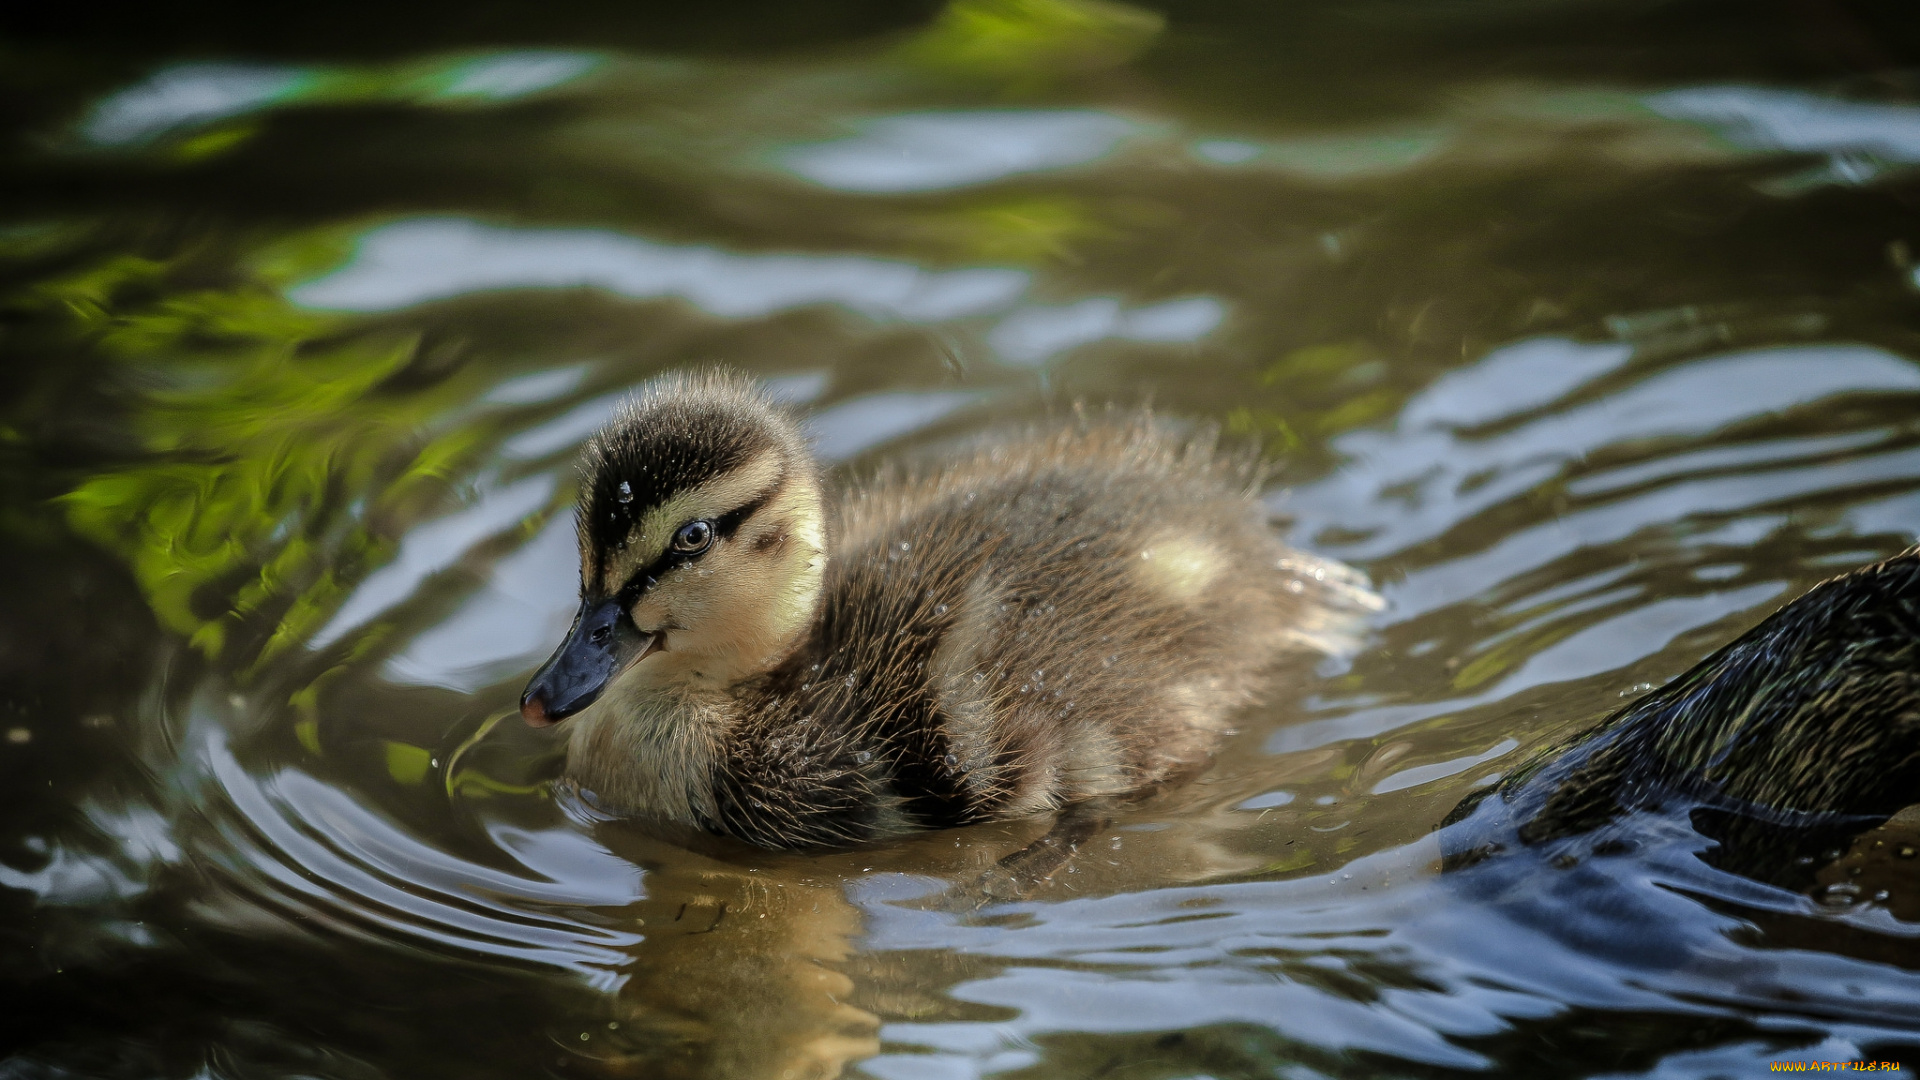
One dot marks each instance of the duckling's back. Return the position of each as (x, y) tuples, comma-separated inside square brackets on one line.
[(1073, 616)]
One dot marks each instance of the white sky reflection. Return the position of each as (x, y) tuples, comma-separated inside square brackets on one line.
[(1793, 120), (189, 93), (411, 262), (936, 151), (186, 94), (1447, 475), (434, 546), (519, 617), (1033, 335)]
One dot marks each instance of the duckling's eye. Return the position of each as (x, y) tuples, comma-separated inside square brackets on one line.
[(693, 538)]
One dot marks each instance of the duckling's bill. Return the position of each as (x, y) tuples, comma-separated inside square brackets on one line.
[(602, 643)]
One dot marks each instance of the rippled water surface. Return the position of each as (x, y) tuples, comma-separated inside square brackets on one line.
[(1589, 330)]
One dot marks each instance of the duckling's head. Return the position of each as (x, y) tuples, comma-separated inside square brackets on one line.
[(701, 552)]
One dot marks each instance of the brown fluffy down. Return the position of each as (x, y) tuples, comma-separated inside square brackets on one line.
[(1070, 614)]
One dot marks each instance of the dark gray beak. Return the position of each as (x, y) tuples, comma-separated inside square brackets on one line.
[(601, 644)]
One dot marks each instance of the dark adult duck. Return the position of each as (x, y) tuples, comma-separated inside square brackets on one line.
[(1774, 777)]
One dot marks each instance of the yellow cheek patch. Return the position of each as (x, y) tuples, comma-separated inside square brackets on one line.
[(740, 609)]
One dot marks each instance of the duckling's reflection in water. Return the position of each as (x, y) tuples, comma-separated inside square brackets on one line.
[(750, 962), (739, 973)]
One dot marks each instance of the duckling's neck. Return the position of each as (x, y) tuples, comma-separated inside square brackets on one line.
[(646, 751)]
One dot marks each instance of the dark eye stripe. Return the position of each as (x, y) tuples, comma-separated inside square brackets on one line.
[(729, 523), (724, 526)]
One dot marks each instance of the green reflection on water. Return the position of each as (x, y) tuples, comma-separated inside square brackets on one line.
[(275, 443), (1029, 44)]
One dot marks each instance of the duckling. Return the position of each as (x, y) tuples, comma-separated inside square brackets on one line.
[(1071, 615)]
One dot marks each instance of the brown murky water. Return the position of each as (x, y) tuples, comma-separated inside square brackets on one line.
[(1588, 330)]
